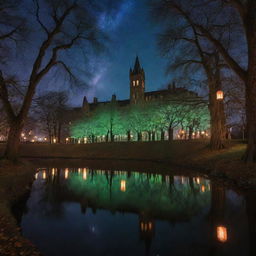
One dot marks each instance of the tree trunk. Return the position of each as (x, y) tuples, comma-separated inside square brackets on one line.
[(190, 132), (59, 133), (162, 135), (149, 135), (153, 136), (217, 125), (170, 133), (128, 135), (250, 155), (13, 142), (217, 113), (139, 136)]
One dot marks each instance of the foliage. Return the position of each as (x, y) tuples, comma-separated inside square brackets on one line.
[(154, 116)]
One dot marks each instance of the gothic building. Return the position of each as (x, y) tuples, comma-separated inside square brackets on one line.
[(137, 91)]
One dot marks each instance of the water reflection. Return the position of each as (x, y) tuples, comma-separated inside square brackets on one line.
[(104, 212)]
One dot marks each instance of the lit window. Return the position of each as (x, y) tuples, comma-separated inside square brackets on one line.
[(138, 82), (134, 83)]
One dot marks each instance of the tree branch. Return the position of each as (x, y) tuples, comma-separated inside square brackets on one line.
[(38, 18)]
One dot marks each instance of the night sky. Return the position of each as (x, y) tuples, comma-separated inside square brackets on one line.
[(132, 32)]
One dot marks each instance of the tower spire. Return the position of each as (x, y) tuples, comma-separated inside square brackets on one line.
[(137, 67)]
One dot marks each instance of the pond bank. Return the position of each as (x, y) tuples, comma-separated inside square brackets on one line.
[(15, 183)]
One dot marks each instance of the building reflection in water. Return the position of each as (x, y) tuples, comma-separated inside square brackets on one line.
[(146, 230), (165, 197), (123, 185)]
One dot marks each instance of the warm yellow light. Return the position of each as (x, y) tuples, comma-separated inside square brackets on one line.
[(219, 95), (123, 186), (198, 180), (84, 174), (54, 140), (23, 134), (222, 234), (203, 132), (203, 188), (44, 175), (67, 139), (45, 139), (150, 226), (32, 140), (66, 173), (36, 176), (53, 171), (79, 141)]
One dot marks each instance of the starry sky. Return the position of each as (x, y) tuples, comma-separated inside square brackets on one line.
[(131, 33)]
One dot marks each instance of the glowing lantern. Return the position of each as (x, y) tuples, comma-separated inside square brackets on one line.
[(203, 188), (66, 173), (219, 95), (222, 234), (123, 186)]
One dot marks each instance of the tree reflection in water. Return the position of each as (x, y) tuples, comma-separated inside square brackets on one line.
[(179, 214)]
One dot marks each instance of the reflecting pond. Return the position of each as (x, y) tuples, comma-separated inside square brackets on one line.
[(82, 211)]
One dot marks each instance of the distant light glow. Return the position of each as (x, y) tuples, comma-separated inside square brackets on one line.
[(66, 173)]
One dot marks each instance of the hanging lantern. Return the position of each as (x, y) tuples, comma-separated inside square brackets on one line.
[(222, 234), (219, 95)]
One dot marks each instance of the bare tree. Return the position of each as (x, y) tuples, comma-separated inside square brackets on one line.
[(66, 25), (51, 113), (235, 19), (182, 36)]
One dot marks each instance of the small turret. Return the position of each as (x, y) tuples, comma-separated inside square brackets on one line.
[(85, 104)]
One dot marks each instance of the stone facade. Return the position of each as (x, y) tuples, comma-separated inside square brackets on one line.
[(137, 91)]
